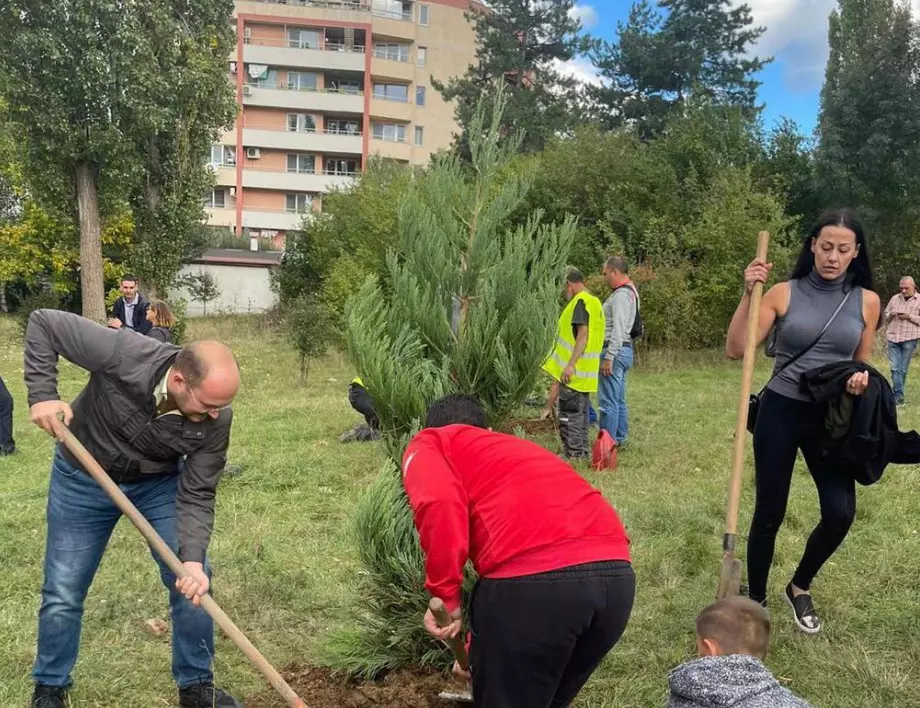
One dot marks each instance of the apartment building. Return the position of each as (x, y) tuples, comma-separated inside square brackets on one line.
[(323, 85)]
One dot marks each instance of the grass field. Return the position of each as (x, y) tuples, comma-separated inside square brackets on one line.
[(285, 570)]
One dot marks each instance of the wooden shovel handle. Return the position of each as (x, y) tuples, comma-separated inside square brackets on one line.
[(747, 374), (156, 542), (456, 644)]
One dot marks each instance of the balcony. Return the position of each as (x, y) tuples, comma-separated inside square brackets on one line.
[(332, 57), (318, 141), (255, 218), (225, 175), (221, 216), (392, 109), (392, 149), (391, 24), (295, 181), (283, 96), (386, 65)]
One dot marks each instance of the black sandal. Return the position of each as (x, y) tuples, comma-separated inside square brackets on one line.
[(803, 611)]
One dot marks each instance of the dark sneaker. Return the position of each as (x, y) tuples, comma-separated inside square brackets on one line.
[(204, 695), (803, 611), (8, 449), (49, 697)]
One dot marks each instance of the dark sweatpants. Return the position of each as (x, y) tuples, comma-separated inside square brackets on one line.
[(6, 417), (784, 426), (573, 422), (538, 638)]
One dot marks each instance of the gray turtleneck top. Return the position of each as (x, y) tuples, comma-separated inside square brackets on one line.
[(812, 300)]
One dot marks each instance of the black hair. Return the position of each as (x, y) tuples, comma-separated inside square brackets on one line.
[(456, 409), (128, 276), (860, 270), (573, 275)]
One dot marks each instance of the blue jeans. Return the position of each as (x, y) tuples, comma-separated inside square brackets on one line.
[(611, 397), (81, 518), (899, 355)]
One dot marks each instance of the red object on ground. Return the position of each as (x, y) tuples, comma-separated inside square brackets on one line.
[(604, 454), (510, 506)]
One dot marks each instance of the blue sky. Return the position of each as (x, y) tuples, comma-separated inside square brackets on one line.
[(796, 36)]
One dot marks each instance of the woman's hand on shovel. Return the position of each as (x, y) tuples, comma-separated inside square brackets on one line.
[(195, 584)]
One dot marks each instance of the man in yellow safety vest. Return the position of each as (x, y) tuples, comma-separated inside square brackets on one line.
[(574, 364)]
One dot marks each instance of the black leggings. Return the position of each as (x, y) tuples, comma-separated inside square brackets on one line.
[(538, 638), (784, 426)]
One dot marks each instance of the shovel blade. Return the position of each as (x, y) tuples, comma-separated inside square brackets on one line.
[(460, 697), (729, 578)]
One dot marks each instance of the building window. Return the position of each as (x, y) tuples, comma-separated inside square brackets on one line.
[(394, 9), (419, 135), (419, 95), (423, 18), (301, 81), (392, 92), (301, 123), (302, 38), (341, 167), (223, 155), (393, 52), (298, 202), (391, 132), (342, 127), (301, 164), (340, 86), (217, 199), (422, 56)]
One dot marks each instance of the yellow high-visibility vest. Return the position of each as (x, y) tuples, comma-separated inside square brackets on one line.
[(588, 365)]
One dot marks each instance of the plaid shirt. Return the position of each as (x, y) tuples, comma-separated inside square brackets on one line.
[(903, 330)]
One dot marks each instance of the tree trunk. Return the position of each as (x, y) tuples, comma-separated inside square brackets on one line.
[(3, 305), (92, 282)]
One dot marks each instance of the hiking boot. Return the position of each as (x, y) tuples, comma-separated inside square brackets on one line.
[(204, 695), (49, 697), (806, 618)]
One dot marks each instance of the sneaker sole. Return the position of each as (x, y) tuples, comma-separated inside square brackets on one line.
[(795, 617)]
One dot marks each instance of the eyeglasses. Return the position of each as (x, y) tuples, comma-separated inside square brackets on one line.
[(207, 409)]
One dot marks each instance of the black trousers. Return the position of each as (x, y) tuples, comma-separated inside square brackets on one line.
[(573, 422), (538, 638), (6, 416), (785, 426)]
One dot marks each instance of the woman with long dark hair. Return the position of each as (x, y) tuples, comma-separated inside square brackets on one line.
[(825, 313)]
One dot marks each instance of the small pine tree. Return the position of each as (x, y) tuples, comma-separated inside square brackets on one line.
[(471, 306), (309, 330), (202, 287)]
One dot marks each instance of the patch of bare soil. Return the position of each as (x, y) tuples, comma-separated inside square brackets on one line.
[(531, 426), (320, 688)]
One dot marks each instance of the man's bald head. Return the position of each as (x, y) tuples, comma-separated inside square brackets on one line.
[(209, 375)]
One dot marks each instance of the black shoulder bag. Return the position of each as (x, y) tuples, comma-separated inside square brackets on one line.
[(754, 402)]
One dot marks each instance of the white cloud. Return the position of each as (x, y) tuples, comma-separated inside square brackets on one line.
[(588, 15), (581, 69), (797, 36)]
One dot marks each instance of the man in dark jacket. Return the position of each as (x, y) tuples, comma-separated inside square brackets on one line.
[(130, 310), (157, 418), (7, 444)]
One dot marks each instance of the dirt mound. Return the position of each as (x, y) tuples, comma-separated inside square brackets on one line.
[(531, 426), (319, 688)]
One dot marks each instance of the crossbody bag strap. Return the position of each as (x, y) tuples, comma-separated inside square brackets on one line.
[(804, 351)]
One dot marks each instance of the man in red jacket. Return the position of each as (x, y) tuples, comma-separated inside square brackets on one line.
[(556, 584)]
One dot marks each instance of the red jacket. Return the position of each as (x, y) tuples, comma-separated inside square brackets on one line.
[(509, 505)]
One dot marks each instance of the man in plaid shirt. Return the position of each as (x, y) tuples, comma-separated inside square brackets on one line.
[(903, 318)]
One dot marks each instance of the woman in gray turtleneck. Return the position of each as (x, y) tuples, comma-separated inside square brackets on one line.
[(833, 263)]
